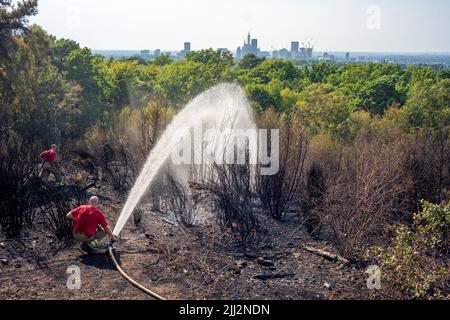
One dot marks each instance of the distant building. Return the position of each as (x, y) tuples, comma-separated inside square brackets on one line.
[(186, 50), (145, 53), (238, 53), (157, 52), (306, 52), (254, 45), (249, 47), (295, 46), (284, 53), (347, 56), (187, 47)]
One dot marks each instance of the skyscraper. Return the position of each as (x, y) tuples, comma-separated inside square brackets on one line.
[(187, 47), (254, 46), (249, 47), (295, 45), (238, 53), (186, 50), (145, 53)]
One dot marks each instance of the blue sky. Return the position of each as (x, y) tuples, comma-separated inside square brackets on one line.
[(332, 25)]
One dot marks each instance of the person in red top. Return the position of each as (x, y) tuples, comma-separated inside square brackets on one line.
[(51, 165), (90, 225)]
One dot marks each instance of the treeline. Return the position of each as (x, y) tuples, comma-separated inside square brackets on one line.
[(363, 146)]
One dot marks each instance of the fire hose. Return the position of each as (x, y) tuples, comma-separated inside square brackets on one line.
[(129, 279)]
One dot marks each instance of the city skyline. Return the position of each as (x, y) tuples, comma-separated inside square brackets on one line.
[(330, 25)]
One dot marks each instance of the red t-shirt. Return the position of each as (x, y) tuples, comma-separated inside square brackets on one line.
[(88, 219), (49, 156)]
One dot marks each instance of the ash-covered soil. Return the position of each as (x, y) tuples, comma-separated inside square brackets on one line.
[(180, 263)]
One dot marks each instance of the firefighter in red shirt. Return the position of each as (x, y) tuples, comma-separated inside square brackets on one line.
[(90, 225), (51, 165)]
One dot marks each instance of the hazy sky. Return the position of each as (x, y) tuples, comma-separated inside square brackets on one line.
[(334, 25)]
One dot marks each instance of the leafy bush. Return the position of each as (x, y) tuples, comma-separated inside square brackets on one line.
[(416, 261)]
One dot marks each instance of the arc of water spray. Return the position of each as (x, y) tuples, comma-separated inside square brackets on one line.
[(210, 109)]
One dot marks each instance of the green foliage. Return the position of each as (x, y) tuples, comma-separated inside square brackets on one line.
[(37, 97), (219, 63), (318, 72), (162, 60), (130, 88), (321, 108), (220, 59), (89, 71), (269, 70), (409, 263), (13, 21), (250, 61), (179, 81), (377, 95), (60, 50), (53, 88), (428, 105)]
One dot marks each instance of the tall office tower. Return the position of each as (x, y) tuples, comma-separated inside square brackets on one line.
[(249, 47), (254, 46), (295, 45), (187, 47), (238, 53), (347, 56)]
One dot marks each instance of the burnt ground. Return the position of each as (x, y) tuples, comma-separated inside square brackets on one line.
[(180, 263)]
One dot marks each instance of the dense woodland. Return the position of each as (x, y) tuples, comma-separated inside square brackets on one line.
[(365, 147)]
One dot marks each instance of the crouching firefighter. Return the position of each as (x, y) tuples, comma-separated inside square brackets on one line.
[(90, 226), (50, 165)]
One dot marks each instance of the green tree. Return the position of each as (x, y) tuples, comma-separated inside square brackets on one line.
[(13, 26), (428, 105), (180, 81), (218, 62), (250, 61), (60, 50), (376, 96), (90, 72), (318, 72), (13, 22), (407, 261), (128, 79), (44, 104), (162, 60), (322, 108), (268, 70)]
